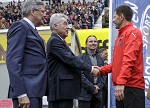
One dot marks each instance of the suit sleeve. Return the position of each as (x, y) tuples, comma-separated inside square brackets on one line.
[(103, 81), (87, 84), (65, 55), (16, 38)]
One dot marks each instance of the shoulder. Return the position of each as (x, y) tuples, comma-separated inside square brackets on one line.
[(82, 55), (54, 37), (18, 24), (136, 31), (18, 27), (133, 32), (99, 57), (54, 40)]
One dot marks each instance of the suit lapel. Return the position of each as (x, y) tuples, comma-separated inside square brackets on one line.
[(88, 58), (62, 42), (98, 59), (36, 34)]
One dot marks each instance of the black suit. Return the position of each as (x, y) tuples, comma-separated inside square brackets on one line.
[(64, 77), (88, 88)]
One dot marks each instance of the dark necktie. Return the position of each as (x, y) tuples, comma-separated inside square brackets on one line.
[(36, 30)]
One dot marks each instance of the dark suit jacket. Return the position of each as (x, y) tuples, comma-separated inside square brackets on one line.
[(88, 80), (26, 61), (63, 70)]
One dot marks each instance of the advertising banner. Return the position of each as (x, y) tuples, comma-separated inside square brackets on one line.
[(101, 34), (141, 20)]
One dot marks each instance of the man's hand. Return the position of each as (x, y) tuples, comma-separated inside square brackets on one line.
[(119, 92), (96, 90), (24, 102), (96, 71)]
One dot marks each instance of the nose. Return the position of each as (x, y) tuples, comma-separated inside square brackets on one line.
[(93, 42)]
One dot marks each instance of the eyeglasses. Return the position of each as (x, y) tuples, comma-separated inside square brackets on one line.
[(43, 11)]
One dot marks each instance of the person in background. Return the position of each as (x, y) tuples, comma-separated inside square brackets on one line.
[(127, 63), (105, 19), (76, 25), (2, 53), (4, 24), (64, 76), (104, 54), (26, 58), (91, 92)]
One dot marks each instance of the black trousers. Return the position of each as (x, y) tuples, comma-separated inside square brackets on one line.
[(64, 103), (104, 98), (34, 102), (83, 104), (133, 98), (93, 103)]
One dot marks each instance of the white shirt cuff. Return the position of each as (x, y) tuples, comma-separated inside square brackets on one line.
[(21, 96), (92, 69)]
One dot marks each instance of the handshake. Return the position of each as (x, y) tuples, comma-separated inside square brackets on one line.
[(96, 70)]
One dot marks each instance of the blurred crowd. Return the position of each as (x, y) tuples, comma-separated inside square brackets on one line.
[(82, 15)]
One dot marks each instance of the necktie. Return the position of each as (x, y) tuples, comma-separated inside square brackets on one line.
[(36, 30)]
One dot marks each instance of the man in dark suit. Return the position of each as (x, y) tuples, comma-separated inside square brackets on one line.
[(26, 58), (104, 54), (64, 77), (91, 92)]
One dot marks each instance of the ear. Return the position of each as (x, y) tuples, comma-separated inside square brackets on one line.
[(33, 12), (121, 16), (55, 26)]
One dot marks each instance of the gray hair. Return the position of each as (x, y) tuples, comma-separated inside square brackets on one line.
[(29, 5), (56, 18)]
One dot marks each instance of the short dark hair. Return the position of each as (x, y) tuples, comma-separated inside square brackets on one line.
[(126, 11), (101, 50), (88, 38)]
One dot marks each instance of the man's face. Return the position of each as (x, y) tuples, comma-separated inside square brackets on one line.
[(104, 55), (39, 15), (91, 43), (117, 21), (62, 28)]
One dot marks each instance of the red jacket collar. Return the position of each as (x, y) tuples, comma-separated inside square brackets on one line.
[(124, 28)]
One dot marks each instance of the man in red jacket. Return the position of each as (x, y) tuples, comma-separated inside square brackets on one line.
[(127, 63)]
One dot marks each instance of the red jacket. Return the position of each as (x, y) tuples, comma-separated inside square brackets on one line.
[(127, 64)]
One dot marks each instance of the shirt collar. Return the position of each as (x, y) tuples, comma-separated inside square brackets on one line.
[(90, 53), (60, 37), (32, 25), (125, 27)]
